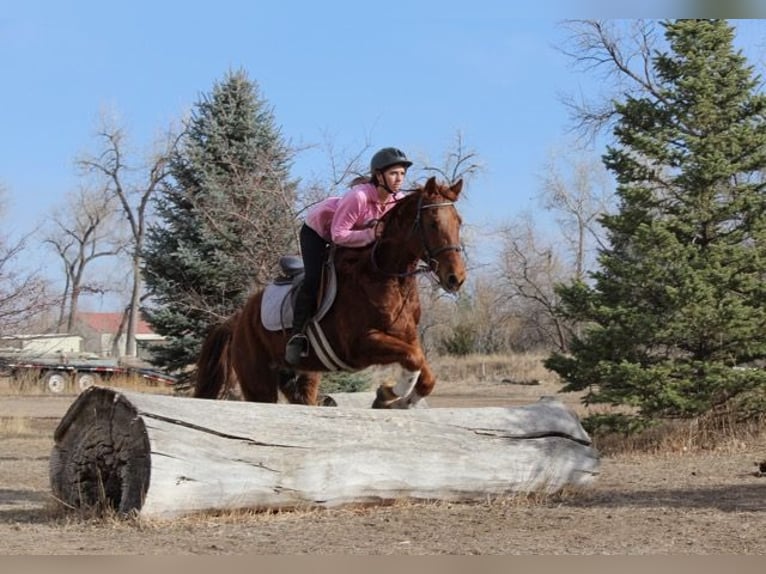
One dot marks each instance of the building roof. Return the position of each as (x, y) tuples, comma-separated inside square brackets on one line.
[(109, 323)]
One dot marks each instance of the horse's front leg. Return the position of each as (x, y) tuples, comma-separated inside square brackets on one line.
[(408, 390), (416, 380)]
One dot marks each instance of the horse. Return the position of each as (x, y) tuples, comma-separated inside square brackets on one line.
[(373, 319)]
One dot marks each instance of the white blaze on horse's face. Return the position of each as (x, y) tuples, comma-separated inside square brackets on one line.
[(441, 223)]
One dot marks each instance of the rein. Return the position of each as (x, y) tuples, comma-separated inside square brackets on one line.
[(432, 263)]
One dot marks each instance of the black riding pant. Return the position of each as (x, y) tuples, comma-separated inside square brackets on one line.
[(313, 249)]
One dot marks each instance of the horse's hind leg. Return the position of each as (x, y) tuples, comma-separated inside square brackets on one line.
[(301, 388), (252, 353), (263, 385), (258, 381)]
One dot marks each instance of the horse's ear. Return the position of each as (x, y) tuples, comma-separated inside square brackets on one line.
[(453, 190), (456, 188), (430, 185)]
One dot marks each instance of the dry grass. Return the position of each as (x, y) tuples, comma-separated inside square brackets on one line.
[(721, 431), (14, 427), (30, 386), (521, 368), (101, 516), (26, 386), (140, 385), (238, 516), (518, 368)]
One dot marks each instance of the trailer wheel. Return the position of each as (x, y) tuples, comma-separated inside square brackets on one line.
[(85, 380), (56, 382)]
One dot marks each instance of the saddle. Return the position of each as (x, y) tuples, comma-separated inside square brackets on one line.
[(279, 296), (278, 303)]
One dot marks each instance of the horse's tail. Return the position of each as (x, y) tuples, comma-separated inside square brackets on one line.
[(213, 365)]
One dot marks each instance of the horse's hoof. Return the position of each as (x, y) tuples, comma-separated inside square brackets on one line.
[(384, 398), (326, 401)]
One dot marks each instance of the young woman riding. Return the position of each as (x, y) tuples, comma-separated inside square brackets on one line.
[(351, 220)]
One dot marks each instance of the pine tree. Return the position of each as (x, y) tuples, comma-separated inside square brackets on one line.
[(679, 301), (224, 218)]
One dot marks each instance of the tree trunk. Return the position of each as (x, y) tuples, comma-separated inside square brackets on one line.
[(116, 347), (135, 301), (164, 456), (74, 302)]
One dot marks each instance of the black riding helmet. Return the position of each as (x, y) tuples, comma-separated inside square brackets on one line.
[(386, 157)]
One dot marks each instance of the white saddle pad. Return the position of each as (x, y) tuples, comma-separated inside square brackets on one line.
[(276, 309)]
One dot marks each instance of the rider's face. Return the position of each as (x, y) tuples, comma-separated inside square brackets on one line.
[(394, 177)]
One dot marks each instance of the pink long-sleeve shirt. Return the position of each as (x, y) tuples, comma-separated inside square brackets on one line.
[(346, 220)]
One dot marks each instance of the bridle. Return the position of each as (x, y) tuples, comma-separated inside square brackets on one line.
[(432, 263)]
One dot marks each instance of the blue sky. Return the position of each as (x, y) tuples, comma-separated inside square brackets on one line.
[(389, 73)]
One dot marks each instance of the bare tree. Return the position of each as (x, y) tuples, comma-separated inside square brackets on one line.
[(23, 293), (477, 321), (577, 195), (84, 231), (459, 162), (344, 166), (530, 268), (620, 52), (531, 263), (133, 187)]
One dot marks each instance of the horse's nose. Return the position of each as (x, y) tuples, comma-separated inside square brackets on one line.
[(454, 282)]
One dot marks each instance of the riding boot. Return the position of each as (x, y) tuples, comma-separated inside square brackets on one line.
[(298, 344)]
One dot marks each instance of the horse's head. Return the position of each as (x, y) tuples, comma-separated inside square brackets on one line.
[(438, 224), (423, 226)]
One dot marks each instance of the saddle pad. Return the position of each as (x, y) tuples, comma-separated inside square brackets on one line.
[(276, 310), (277, 306)]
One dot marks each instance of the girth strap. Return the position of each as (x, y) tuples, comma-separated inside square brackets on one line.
[(324, 350)]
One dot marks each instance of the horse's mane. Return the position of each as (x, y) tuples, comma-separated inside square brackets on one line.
[(413, 197), (397, 221), (402, 203)]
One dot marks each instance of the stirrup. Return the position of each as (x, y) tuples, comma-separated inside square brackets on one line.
[(297, 348)]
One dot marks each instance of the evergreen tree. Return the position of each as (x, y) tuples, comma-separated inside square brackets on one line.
[(678, 303), (224, 218)]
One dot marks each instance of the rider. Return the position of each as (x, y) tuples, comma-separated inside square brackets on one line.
[(350, 221)]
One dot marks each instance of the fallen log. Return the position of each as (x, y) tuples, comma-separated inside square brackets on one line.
[(164, 456)]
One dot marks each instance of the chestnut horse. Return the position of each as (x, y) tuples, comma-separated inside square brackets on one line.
[(373, 320)]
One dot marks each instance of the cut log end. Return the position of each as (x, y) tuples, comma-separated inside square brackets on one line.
[(101, 456)]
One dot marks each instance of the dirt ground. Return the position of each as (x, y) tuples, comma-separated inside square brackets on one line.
[(711, 502)]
